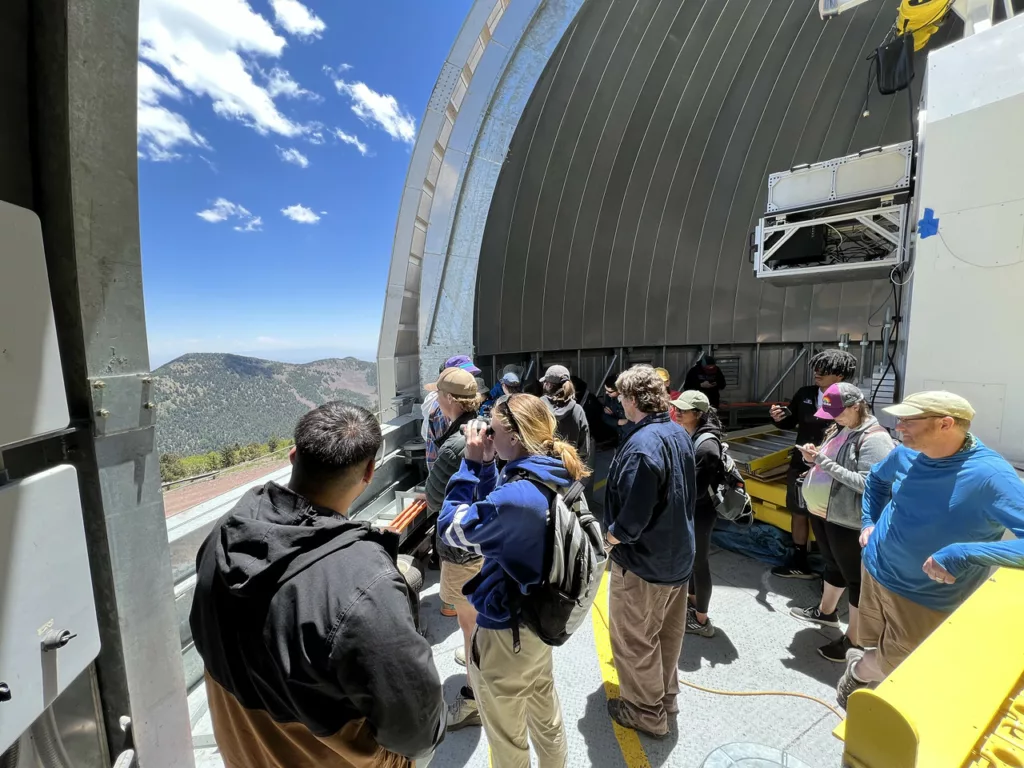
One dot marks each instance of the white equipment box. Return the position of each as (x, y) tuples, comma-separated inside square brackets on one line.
[(965, 312), (32, 397), (870, 172), (45, 596)]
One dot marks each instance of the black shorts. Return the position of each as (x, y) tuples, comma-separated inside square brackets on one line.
[(794, 497)]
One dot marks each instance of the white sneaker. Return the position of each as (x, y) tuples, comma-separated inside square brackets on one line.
[(462, 713)]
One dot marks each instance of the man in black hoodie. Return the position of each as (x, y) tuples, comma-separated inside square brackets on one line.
[(305, 624)]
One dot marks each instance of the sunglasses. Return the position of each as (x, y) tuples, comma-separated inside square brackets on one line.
[(506, 409)]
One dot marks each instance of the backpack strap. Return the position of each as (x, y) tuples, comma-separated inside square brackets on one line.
[(874, 429)]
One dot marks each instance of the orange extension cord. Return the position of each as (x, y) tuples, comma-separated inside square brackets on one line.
[(717, 692)]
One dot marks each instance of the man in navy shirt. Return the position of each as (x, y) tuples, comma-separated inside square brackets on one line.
[(649, 518)]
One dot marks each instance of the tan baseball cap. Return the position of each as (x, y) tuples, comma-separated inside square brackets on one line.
[(932, 404), (455, 381), (692, 400)]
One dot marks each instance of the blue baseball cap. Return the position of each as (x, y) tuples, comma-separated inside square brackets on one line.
[(463, 362), (510, 378)]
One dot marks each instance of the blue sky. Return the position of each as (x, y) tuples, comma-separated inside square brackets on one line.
[(274, 138)]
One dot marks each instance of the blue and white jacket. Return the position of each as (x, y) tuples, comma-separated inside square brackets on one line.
[(505, 522)]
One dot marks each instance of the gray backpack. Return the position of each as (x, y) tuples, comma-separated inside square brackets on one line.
[(732, 502), (574, 562)]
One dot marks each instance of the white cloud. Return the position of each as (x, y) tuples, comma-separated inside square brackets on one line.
[(255, 224), (201, 45), (160, 129), (380, 108), (293, 156), (281, 83), (301, 214), (316, 137), (352, 139), (298, 19), (223, 209)]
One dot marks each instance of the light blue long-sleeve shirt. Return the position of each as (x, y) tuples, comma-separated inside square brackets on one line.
[(954, 509)]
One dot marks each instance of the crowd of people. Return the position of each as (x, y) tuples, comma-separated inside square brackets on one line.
[(308, 630)]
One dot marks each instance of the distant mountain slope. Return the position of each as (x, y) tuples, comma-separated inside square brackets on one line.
[(206, 401)]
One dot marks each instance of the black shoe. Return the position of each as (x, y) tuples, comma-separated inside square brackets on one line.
[(836, 650), (814, 616), (793, 571), (621, 715)]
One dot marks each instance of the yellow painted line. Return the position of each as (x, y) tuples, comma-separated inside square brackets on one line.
[(629, 742), (600, 484)]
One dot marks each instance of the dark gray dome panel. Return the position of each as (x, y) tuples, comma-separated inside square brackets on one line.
[(623, 213)]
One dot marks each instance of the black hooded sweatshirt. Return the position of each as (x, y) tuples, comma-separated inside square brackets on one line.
[(306, 629)]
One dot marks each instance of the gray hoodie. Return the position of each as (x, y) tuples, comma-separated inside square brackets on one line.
[(572, 427), (866, 445)]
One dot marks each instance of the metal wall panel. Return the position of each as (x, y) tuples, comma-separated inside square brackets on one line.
[(623, 212)]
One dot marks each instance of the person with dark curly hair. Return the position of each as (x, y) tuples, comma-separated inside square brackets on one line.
[(830, 366)]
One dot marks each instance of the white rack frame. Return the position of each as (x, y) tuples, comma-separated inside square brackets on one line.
[(869, 219)]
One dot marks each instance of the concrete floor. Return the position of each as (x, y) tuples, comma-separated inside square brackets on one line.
[(757, 646)]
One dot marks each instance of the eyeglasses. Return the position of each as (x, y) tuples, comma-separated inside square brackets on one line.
[(911, 419)]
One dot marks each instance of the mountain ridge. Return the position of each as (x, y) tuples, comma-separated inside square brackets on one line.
[(207, 400)]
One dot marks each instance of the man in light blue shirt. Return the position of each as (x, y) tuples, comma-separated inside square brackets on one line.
[(934, 515)]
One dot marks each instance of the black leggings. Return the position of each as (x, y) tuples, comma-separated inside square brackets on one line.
[(700, 582), (840, 549)]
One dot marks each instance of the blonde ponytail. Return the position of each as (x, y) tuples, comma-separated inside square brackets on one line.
[(570, 459), (533, 423)]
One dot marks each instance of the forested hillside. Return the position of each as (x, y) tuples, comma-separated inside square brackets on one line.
[(208, 401)]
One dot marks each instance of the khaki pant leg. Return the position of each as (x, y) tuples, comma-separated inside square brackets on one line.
[(511, 699), (907, 625), (543, 709), (636, 613), (673, 630)]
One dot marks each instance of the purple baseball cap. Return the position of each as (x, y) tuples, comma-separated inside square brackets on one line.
[(837, 399), (463, 362)]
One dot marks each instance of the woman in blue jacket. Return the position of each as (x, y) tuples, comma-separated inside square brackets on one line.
[(503, 518)]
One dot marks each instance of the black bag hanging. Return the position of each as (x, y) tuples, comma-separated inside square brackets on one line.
[(894, 64)]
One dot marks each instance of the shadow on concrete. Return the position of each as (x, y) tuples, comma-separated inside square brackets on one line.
[(598, 733), (717, 650), (807, 661)]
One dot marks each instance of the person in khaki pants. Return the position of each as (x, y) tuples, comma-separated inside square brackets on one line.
[(649, 518), (504, 519)]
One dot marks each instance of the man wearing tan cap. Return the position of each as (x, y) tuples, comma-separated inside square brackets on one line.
[(459, 399), (934, 513)]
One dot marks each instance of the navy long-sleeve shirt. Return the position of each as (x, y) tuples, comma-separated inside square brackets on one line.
[(650, 502)]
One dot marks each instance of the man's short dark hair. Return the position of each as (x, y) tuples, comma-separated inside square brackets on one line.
[(334, 439), (835, 362)]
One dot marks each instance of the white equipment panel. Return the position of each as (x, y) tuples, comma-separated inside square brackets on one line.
[(32, 397), (868, 173), (966, 313), (45, 589)]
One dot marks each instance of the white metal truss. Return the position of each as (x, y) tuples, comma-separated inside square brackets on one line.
[(882, 226)]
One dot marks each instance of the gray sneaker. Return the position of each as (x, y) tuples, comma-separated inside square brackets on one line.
[(813, 615), (694, 627), (463, 712), (848, 683)]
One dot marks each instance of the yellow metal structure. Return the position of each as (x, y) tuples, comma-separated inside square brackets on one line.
[(958, 700)]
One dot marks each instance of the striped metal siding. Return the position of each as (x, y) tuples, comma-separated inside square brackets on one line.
[(623, 213)]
